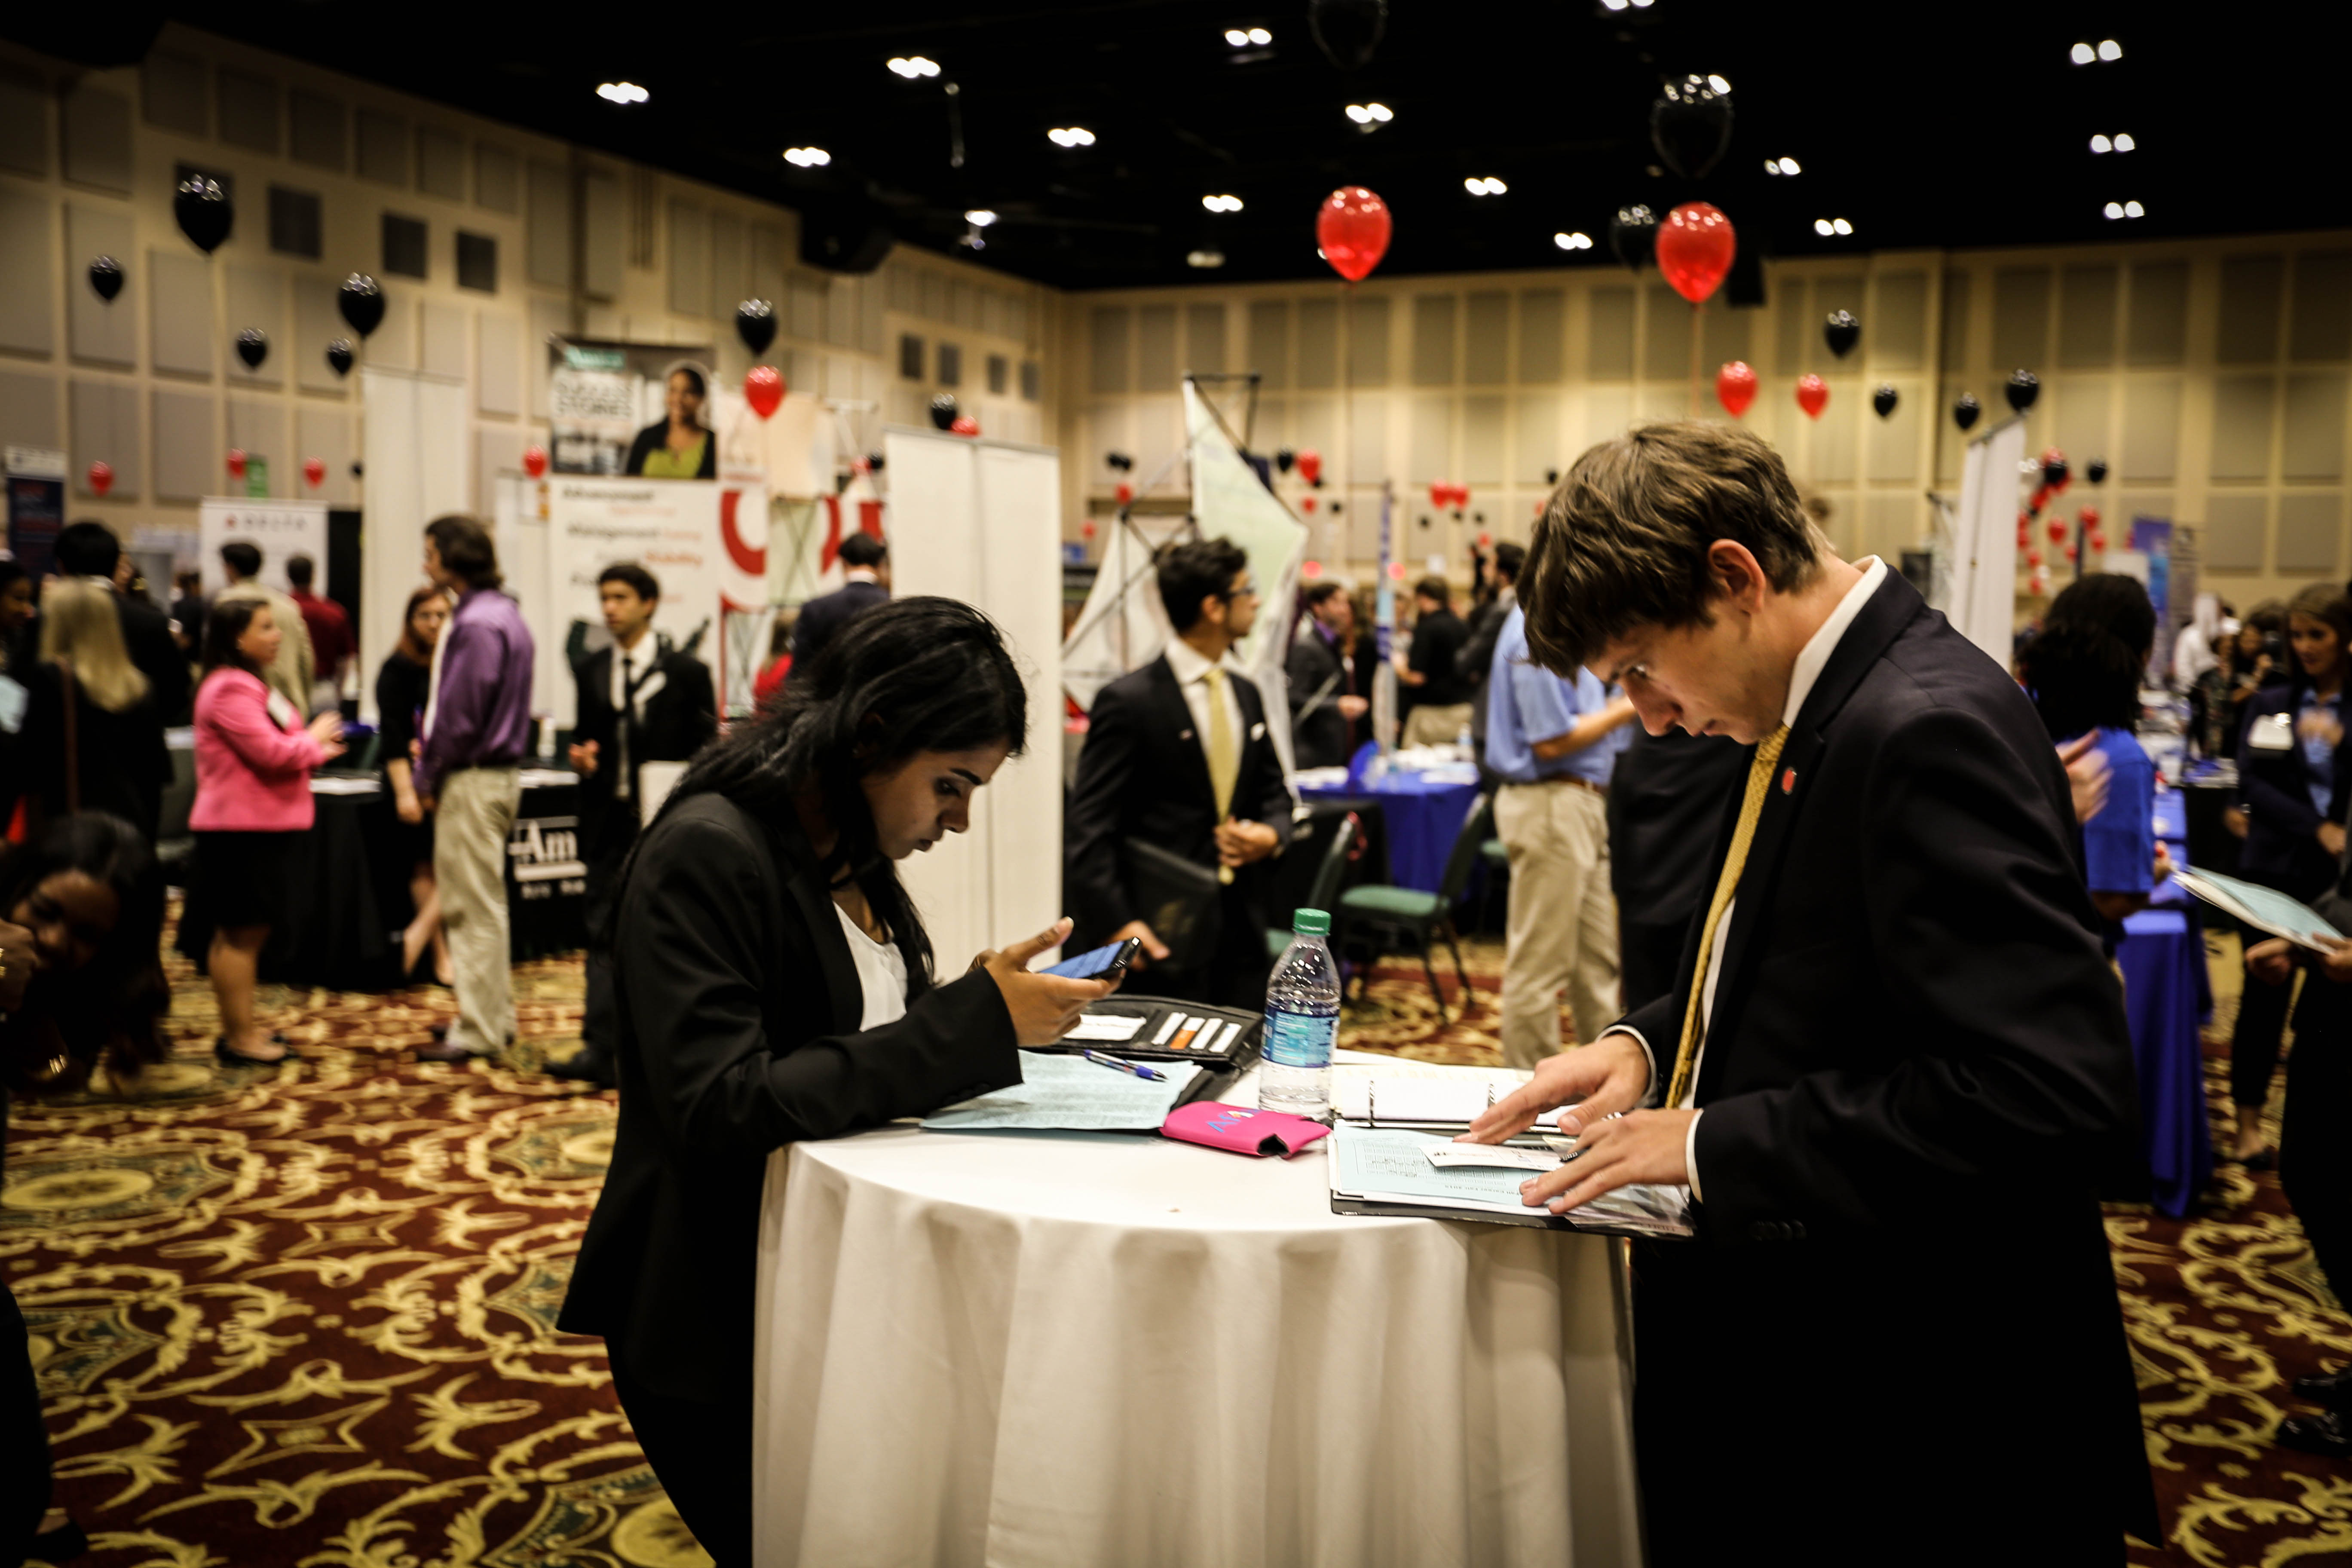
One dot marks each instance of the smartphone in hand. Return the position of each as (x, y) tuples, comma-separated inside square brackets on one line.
[(1108, 961)]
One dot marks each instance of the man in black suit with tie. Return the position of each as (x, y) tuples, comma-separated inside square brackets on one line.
[(1177, 756), (866, 583), (1893, 1069), (639, 703)]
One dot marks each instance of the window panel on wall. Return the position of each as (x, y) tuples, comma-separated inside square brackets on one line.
[(1793, 325), (23, 125), (1894, 448), (97, 332), (1155, 348), (1270, 342), (2151, 428), (1608, 338), (248, 110), (1319, 342), (2021, 319), (1656, 400), (498, 382), (1369, 345), (2236, 534), (1486, 339), (1666, 335), (911, 359), (29, 411), (1158, 433), (2246, 329), (1954, 350), (97, 140), (1000, 375), (605, 235), (325, 433), (441, 164), (297, 223), (1890, 525), (187, 445), (689, 256), (408, 246), (1536, 439), (548, 233), (1607, 413), (2310, 529), (841, 303), (1543, 332), (1836, 454), (393, 344), (172, 92), (2130, 504), (2312, 444), (102, 425), (315, 130), (1724, 335), (1484, 432), (731, 271), (1431, 439), (803, 306), (1898, 321), (497, 179), (27, 313), (1108, 337), (2086, 315), (179, 313), (951, 365), (2156, 326), (1432, 340), (932, 289), (2083, 404), (257, 428), (382, 143), (256, 299), (1314, 427), (2242, 426), (2321, 328), (962, 303), (444, 339), (1204, 338), (1370, 439)]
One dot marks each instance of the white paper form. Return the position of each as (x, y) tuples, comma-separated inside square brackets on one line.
[(1071, 1093)]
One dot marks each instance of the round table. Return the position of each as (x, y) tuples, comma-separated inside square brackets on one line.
[(1042, 1349)]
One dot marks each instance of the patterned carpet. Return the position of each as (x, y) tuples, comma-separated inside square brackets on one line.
[(304, 1315)]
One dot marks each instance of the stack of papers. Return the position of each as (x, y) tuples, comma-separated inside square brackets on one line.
[(2262, 908), (1389, 1171), (1423, 1095), (1071, 1093)]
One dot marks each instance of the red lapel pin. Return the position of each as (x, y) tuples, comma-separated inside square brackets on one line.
[(1788, 780)]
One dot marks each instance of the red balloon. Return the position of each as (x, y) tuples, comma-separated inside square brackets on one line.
[(102, 477), (1695, 245), (965, 425), (1310, 570), (2033, 558), (1352, 228), (1306, 504), (1734, 386), (1310, 467), (1812, 395), (237, 462), (1396, 571), (2090, 516), (2070, 552), (2057, 531), (534, 460), (2024, 538), (1126, 492), (1461, 496), (1485, 542), (1438, 491), (315, 470), (2098, 540), (1087, 528), (763, 389)]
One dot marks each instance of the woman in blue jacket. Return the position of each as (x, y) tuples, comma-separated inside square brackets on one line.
[(2295, 782)]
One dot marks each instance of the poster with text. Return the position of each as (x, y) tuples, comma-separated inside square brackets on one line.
[(280, 530), (636, 410)]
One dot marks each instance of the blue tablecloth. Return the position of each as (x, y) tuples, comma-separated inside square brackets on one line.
[(1423, 814), (2161, 956)]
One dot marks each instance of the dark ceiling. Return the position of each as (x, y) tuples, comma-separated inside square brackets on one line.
[(1922, 126)]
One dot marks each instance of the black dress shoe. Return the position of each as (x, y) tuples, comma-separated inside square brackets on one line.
[(583, 1067), (2325, 1387), (441, 1050), (62, 1544), (2329, 1434)]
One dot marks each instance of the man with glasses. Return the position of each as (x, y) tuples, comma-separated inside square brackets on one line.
[(1178, 759)]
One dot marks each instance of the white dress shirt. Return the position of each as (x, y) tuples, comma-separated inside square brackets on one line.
[(881, 975), (630, 664), (1811, 659), (1191, 672)]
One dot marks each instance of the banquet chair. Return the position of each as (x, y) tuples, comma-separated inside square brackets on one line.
[(1334, 864), (1395, 918)]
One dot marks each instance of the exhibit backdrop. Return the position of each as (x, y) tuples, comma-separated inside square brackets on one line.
[(280, 530), (417, 447)]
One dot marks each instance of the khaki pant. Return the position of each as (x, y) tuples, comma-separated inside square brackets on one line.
[(1438, 726), (470, 823), (1563, 920)]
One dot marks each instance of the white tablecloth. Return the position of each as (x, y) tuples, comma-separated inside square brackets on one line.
[(1026, 1350)]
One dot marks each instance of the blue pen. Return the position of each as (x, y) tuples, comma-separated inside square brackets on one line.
[(1138, 1068)]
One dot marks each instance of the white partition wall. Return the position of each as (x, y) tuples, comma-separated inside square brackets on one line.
[(417, 445), (980, 520)]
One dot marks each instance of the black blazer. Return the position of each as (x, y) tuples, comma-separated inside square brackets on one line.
[(1919, 1075), (2282, 843), (147, 634), (828, 613), (115, 754), (681, 715), (1319, 732), (738, 1011), (1666, 797), (1144, 774)]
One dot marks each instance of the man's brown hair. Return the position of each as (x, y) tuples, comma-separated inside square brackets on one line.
[(1623, 542), (466, 553)]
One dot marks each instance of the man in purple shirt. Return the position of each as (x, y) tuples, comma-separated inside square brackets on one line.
[(476, 732)]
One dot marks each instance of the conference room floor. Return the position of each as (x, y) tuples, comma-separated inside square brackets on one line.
[(311, 1311)]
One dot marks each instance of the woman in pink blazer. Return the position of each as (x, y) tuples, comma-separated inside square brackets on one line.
[(254, 759)]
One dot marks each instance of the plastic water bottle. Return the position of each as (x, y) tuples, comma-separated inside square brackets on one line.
[(1302, 1023)]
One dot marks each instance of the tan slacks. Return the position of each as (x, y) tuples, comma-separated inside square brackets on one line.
[(1438, 726), (476, 812), (1563, 918)]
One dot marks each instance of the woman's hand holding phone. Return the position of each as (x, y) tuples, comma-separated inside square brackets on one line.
[(1044, 1007)]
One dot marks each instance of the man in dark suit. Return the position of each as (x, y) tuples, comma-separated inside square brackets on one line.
[(1178, 755), (1893, 1069), (866, 583), (639, 703), (1325, 705)]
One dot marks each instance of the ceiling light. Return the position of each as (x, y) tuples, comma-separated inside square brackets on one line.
[(1071, 136), (1370, 114), (2124, 144), (1260, 36), (623, 93), (1719, 85), (1222, 203), (2113, 209), (1484, 185), (1841, 226), (1823, 227), (1644, 5), (979, 217), (1615, 4), (1236, 37), (2082, 54), (914, 66), (2133, 209), (1572, 241), (2101, 144), (807, 157), (1206, 258), (2110, 50), (1781, 166)]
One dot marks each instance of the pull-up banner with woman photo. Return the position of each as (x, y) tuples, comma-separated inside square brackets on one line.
[(636, 410)]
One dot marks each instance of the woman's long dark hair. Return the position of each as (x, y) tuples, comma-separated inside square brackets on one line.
[(2084, 670), (112, 1004), (225, 622), (913, 675)]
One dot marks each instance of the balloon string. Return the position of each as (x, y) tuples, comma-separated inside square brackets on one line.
[(1333, 526), (1696, 326)]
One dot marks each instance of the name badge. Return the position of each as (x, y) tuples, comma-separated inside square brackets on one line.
[(2271, 732), (282, 713)]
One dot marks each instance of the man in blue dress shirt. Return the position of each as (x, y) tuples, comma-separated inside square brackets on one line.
[(1552, 743)]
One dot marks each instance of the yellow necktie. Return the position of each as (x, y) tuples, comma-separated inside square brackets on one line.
[(1224, 765), (1743, 834)]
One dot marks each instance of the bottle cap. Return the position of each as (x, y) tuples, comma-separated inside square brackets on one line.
[(1311, 922)]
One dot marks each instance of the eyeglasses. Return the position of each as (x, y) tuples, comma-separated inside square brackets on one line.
[(1248, 590)]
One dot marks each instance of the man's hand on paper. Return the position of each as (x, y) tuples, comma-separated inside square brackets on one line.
[(1608, 1075), (2271, 961), (2335, 960), (1641, 1146)]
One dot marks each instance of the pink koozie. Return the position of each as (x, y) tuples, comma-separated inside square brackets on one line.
[(1242, 1130)]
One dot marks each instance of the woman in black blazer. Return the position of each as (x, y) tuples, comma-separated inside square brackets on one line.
[(2294, 747), (744, 1024)]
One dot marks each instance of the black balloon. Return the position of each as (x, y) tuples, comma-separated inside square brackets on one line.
[(1841, 332), (1965, 411), (338, 355), (1551, 476), (105, 278), (873, 462), (1283, 459), (1885, 399), (253, 347), (944, 410), (755, 323), (204, 212), (2024, 387), (1348, 31), (1633, 235), (2053, 474), (2096, 470), (1690, 125), (360, 299)]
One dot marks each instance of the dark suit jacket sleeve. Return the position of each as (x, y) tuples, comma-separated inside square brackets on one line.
[(1477, 654), (701, 703), (2288, 811), (692, 970), (1095, 874), (2006, 1056), (149, 634)]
